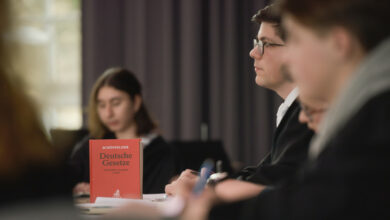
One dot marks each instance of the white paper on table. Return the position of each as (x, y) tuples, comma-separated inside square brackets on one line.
[(159, 197), (105, 204)]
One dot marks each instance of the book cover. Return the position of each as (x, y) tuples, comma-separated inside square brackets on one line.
[(116, 168)]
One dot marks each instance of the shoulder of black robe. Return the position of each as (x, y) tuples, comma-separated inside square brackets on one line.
[(78, 164), (288, 152), (159, 165), (37, 182), (349, 179)]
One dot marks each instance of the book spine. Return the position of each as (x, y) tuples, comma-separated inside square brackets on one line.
[(91, 193)]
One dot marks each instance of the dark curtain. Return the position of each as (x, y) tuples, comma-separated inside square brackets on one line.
[(192, 59)]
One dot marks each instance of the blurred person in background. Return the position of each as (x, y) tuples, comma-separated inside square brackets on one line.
[(117, 110)]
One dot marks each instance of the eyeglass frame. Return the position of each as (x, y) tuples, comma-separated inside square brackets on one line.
[(260, 45), (309, 112)]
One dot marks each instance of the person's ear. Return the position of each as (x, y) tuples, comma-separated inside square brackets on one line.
[(137, 103), (343, 43)]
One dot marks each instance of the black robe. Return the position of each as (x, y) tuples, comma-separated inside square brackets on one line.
[(158, 167), (288, 152), (350, 179), (35, 183)]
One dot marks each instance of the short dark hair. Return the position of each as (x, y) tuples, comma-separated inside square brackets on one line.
[(367, 20), (269, 14), (123, 80)]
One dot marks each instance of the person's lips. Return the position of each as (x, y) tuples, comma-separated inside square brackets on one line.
[(258, 68), (112, 123)]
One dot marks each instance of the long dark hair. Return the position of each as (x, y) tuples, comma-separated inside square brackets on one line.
[(123, 80)]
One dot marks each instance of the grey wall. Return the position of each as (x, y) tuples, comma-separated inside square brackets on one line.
[(192, 59)]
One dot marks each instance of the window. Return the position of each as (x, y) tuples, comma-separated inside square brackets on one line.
[(48, 36)]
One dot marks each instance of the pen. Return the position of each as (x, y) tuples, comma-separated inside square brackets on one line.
[(207, 165)]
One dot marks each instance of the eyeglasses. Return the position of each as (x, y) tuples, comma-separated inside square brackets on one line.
[(261, 45), (309, 112)]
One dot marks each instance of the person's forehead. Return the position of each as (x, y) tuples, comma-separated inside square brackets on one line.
[(267, 31), (295, 28), (107, 92)]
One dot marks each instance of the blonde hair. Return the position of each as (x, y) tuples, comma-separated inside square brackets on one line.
[(95, 126)]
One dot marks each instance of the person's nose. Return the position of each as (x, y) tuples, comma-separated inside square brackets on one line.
[(303, 117), (109, 112), (254, 53)]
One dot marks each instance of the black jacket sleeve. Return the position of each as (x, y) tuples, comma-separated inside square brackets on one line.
[(159, 166), (288, 152), (78, 163), (348, 180)]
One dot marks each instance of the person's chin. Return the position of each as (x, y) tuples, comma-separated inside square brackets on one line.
[(312, 127), (113, 129), (259, 81)]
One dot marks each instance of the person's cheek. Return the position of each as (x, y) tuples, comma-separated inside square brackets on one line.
[(101, 115), (319, 119), (304, 69), (121, 112), (296, 64), (302, 62), (286, 54)]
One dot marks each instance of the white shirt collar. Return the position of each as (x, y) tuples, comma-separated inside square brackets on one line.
[(147, 139), (292, 96)]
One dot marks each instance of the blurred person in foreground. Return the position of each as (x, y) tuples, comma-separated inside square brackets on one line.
[(32, 180)]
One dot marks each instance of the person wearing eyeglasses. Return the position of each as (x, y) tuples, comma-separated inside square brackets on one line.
[(291, 138), (312, 111)]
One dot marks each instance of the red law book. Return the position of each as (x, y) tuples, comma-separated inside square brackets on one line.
[(115, 168)]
